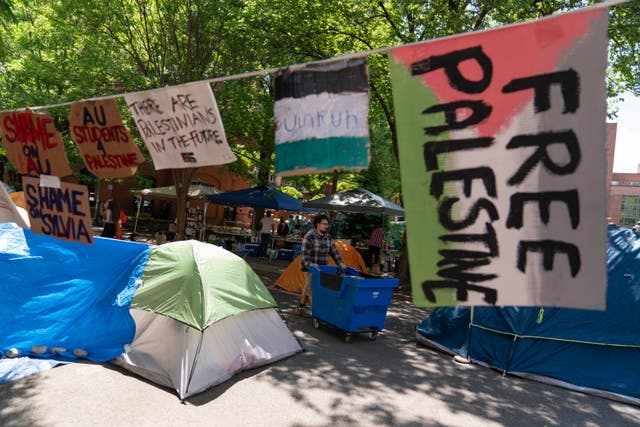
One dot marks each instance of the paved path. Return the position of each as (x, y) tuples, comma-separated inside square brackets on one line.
[(390, 381)]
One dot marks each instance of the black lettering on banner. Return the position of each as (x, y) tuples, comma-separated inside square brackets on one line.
[(462, 290), (549, 248), (490, 239), (451, 61), (467, 176), (479, 112), (543, 199), (432, 148), (568, 80), (445, 207), (541, 155)]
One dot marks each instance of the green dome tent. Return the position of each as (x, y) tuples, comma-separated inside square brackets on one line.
[(202, 314)]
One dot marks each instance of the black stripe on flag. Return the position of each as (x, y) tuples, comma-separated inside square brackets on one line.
[(335, 77)]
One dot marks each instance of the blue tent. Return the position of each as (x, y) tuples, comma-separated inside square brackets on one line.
[(58, 296), (258, 197), (593, 351)]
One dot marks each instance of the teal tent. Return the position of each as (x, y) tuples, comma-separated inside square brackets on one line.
[(592, 351)]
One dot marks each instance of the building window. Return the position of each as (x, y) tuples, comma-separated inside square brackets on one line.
[(630, 211)]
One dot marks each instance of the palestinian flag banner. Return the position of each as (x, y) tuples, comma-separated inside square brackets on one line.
[(321, 113), (501, 140), (181, 126)]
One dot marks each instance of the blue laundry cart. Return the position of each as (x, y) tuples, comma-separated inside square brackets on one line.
[(353, 302)]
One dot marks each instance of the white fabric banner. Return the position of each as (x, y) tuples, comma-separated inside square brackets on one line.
[(181, 126)]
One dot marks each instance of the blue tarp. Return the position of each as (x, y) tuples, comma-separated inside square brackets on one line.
[(67, 295), (598, 350), (258, 197)]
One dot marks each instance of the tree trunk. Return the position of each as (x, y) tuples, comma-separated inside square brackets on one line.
[(182, 180), (404, 275)]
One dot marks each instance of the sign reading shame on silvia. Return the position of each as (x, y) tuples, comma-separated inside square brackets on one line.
[(501, 140), (62, 212)]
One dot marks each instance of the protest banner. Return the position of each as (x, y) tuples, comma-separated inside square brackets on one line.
[(63, 212), (501, 140), (181, 126), (105, 144), (9, 211), (32, 143), (321, 115)]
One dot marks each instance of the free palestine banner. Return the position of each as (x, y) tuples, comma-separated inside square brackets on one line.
[(321, 115), (501, 140), (33, 144), (181, 126), (104, 143)]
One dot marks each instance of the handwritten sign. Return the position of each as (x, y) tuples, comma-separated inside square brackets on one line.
[(33, 144), (181, 126), (9, 211), (104, 143), (62, 213), (501, 139), (321, 114)]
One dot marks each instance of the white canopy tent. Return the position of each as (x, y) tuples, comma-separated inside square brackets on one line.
[(197, 191)]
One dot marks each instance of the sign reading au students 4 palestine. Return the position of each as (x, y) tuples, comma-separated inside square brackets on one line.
[(321, 114), (104, 143), (502, 153), (181, 126)]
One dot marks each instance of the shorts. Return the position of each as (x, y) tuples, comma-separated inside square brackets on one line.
[(307, 282)]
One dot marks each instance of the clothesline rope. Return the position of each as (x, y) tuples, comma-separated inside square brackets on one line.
[(344, 57)]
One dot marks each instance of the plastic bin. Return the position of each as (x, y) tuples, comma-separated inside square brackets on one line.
[(354, 303), (285, 254)]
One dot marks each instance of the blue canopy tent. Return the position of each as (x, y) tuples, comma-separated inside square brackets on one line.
[(258, 197), (590, 351)]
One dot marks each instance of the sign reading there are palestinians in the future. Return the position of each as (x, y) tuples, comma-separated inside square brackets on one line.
[(33, 144), (501, 140), (181, 126), (321, 116), (63, 212), (104, 143)]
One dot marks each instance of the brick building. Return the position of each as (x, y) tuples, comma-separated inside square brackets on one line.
[(623, 198)]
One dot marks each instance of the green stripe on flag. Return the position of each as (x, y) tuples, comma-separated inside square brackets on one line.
[(323, 154)]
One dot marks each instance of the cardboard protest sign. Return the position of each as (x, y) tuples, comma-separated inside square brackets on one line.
[(9, 211), (63, 213), (321, 116), (104, 143), (33, 144), (501, 139), (181, 126)]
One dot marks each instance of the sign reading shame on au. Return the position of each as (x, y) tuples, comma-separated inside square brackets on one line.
[(181, 126), (321, 113), (104, 143), (33, 144), (62, 212), (501, 140)]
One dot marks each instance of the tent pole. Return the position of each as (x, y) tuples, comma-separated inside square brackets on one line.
[(204, 221), (135, 226)]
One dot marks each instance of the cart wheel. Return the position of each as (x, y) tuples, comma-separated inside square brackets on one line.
[(374, 335), (347, 338), (316, 323)]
